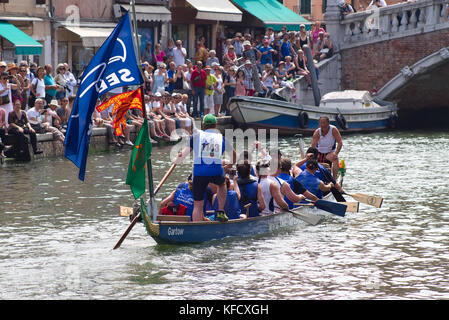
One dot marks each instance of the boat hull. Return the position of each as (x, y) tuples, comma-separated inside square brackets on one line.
[(197, 232), (261, 113)]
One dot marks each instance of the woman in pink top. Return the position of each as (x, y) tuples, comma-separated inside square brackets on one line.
[(315, 34), (240, 83), (158, 54)]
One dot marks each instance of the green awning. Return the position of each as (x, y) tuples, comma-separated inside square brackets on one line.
[(273, 14), (23, 43)]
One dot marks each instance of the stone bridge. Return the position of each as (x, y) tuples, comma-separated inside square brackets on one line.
[(399, 52)]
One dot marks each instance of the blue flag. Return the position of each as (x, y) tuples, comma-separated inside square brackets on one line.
[(114, 65)]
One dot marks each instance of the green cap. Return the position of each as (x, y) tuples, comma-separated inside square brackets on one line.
[(209, 119)]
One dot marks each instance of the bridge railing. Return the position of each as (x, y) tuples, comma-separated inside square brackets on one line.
[(393, 21)]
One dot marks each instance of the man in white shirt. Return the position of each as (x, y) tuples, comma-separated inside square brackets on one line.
[(71, 80), (40, 119), (179, 53)]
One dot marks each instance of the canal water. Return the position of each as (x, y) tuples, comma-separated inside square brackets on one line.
[(57, 233)]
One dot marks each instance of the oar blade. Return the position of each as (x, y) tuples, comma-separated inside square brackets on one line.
[(312, 219), (332, 207), (370, 200), (352, 206)]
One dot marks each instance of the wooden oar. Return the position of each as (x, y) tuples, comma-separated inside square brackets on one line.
[(364, 198), (125, 234), (312, 219), (352, 206), (336, 208)]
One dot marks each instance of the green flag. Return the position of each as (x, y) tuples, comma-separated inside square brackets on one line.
[(139, 157)]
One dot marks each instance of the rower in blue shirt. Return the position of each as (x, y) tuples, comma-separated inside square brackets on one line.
[(311, 182)]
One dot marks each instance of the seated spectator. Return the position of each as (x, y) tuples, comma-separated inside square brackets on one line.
[(51, 116), (327, 49), (269, 82), (64, 112), (19, 126), (36, 117), (290, 67), (301, 67)]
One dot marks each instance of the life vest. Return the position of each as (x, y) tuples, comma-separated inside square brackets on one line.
[(248, 194), (289, 179), (311, 183), (184, 196)]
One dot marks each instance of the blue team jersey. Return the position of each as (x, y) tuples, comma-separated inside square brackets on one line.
[(208, 148)]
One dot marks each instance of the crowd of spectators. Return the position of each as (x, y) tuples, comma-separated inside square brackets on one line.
[(34, 99), (248, 65), (179, 85)]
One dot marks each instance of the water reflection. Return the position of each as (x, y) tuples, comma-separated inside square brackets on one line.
[(57, 234)]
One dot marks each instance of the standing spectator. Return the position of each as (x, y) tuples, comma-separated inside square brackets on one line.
[(2, 66), (160, 78), (230, 57), (51, 88), (70, 80), (148, 76), (303, 38), (61, 80), (188, 68), (5, 95), (158, 55), (211, 86), (286, 47), (147, 54), (25, 83), (229, 84), (315, 33), (198, 86), (251, 54), (212, 58), (248, 70), (169, 50), (171, 77), (180, 79), (219, 90), (200, 53), (276, 45), (37, 89), (238, 44), (265, 54), (13, 79), (179, 54), (240, 83)]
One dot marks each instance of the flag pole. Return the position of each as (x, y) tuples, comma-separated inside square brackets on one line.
[(144, 111)]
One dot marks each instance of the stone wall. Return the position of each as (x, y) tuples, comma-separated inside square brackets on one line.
[(371, 66)]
